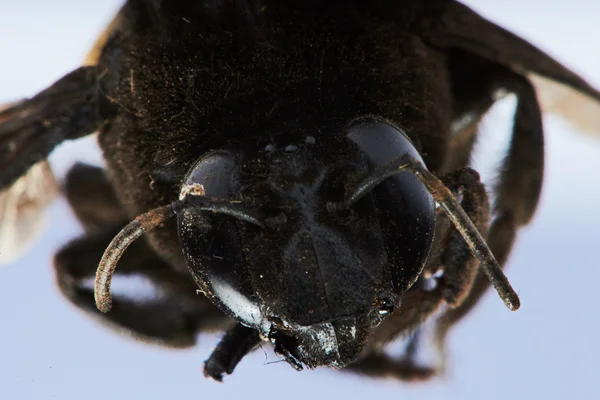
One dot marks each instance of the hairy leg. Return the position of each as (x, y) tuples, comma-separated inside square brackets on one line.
[(174, 313), (518, 189)]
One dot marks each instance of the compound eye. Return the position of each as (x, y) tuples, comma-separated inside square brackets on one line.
[(214, 172), (404, 205), (211, 244), (382, 142)]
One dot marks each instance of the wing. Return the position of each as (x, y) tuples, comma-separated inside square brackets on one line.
[(454, 25), (571, 104), (29, 131), (22, 205), (69, 109), (32, 128)]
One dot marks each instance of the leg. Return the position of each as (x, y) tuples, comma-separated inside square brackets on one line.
[(92, 198), (236, 343), (459, 266), (518, 190), (173, 317)]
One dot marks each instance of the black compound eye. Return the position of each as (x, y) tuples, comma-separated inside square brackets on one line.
[(210, 241), (404, 205)]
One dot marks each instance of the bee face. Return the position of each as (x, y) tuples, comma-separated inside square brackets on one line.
[(323, 274)]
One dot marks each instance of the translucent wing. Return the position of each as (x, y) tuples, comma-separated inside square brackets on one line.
[(22, 210), (580, 110), (23, 202), (559, 89)]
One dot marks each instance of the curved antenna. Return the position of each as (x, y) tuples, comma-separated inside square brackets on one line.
[(149, 221), (454, 211)]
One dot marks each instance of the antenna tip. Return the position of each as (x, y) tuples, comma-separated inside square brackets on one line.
[(512, 301), (103, 303)]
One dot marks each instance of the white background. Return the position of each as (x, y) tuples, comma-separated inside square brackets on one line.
[(546, 350)]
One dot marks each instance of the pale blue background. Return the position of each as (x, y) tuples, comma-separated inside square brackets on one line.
[(546, 350)]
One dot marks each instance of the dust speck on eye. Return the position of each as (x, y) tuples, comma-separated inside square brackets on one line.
[(195, 189)]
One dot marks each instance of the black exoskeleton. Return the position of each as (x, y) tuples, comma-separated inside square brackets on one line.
[(302, 164)]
